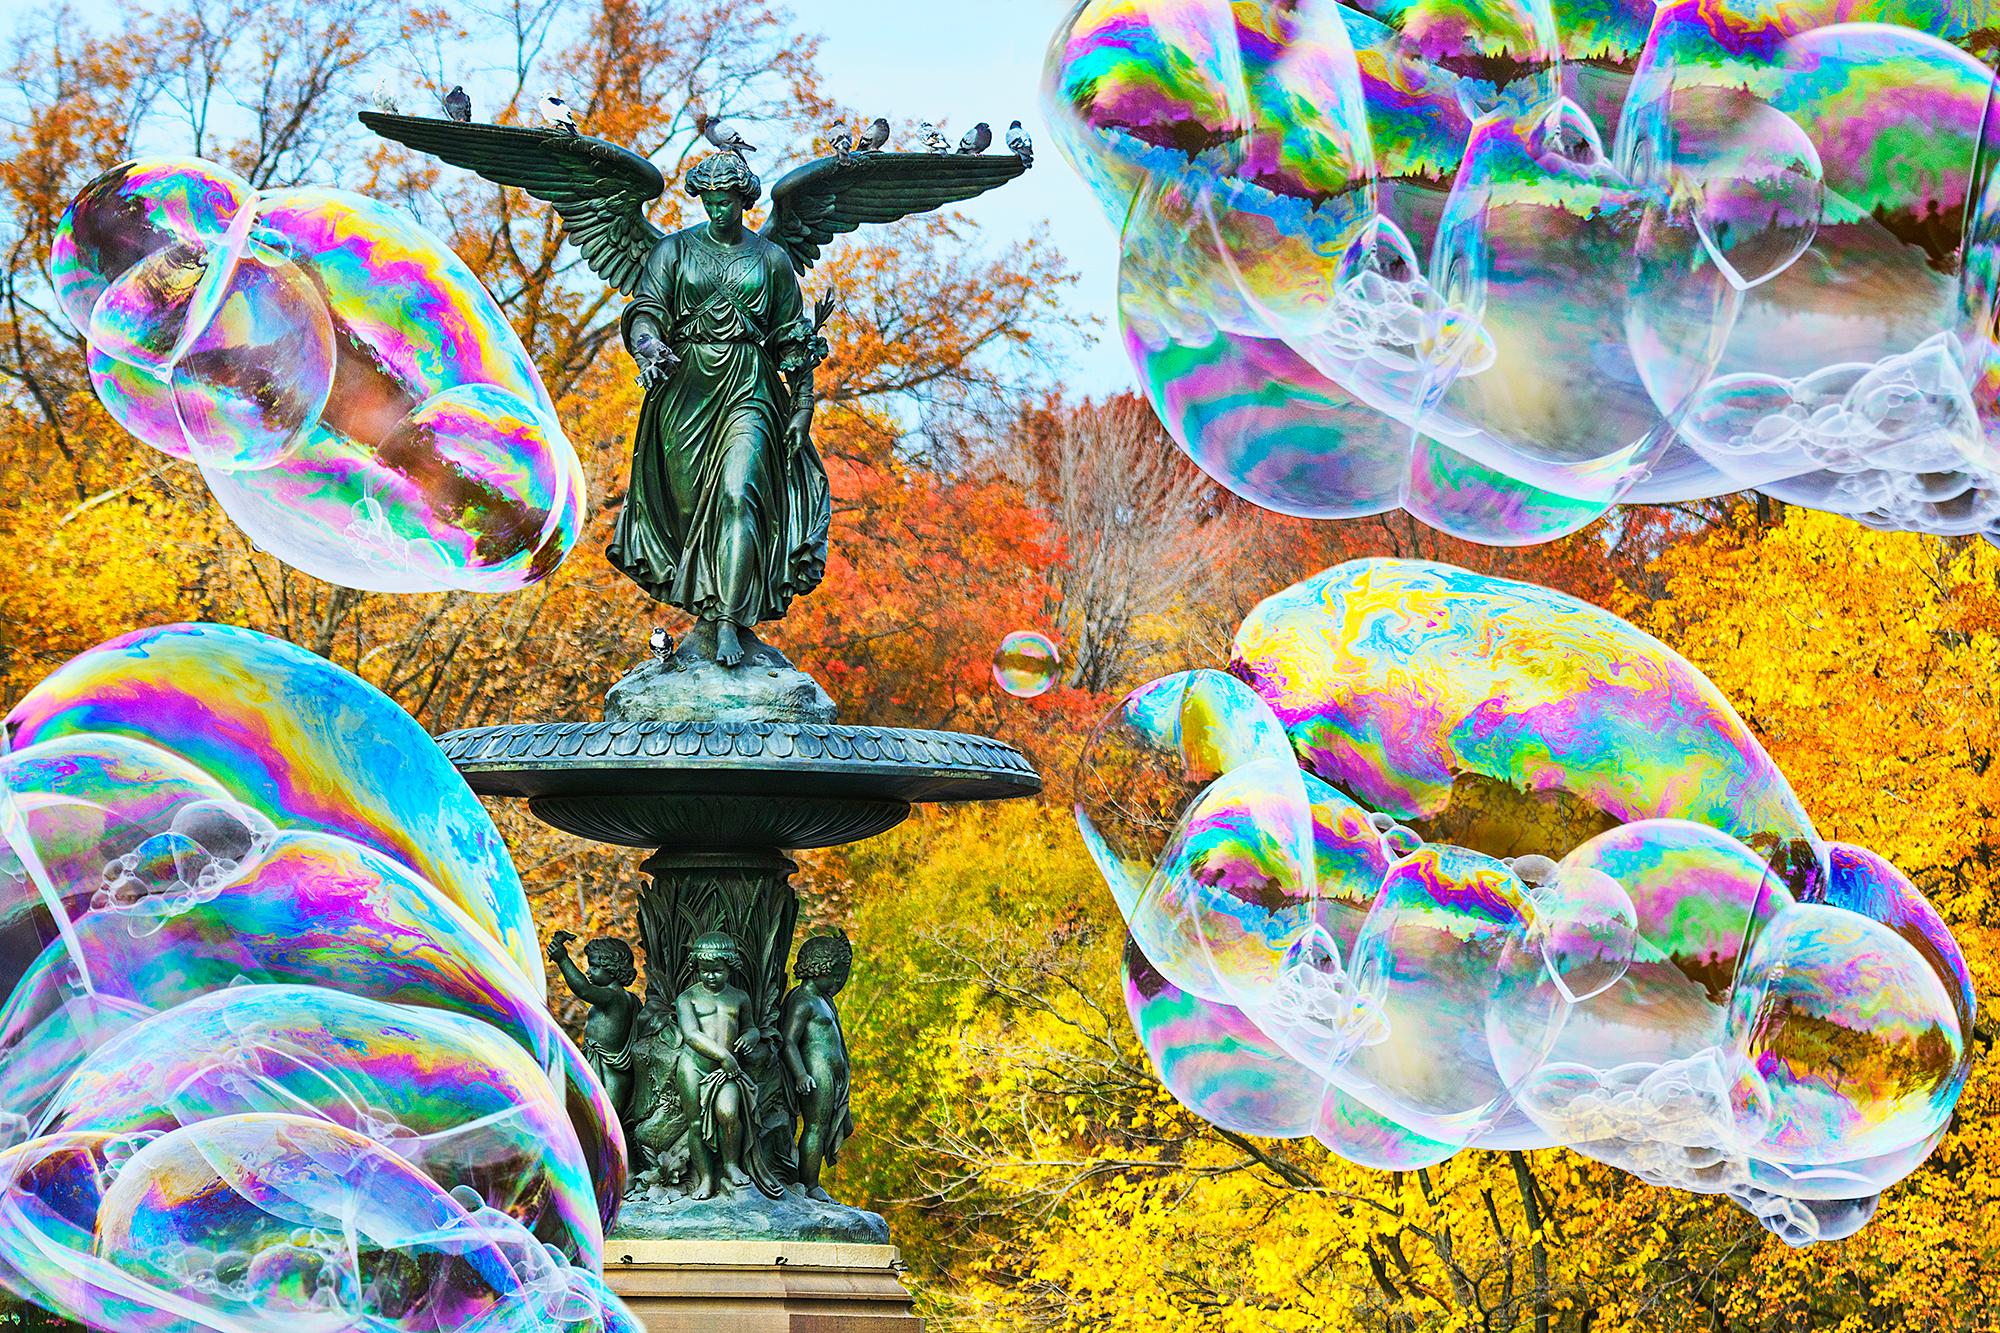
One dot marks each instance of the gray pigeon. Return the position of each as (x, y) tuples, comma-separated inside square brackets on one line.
[(977, 139), (458, 104), (1023, 146), (722, 136), (653, 355), (934, 141), (876, 135)]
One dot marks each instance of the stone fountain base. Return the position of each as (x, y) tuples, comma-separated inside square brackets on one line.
[(695, 1286)]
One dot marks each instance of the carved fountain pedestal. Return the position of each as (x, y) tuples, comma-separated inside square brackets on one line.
[(719, 803)]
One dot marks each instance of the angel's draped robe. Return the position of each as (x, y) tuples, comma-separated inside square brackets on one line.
[(725, 518)]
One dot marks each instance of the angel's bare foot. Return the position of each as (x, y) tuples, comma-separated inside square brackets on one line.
[(728, 647), (736, 1176)]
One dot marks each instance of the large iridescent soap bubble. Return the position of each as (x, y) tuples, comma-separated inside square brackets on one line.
[(1509, 264), (271, 1221), (1549, 890), (248, 909), (354, 398), (300, 740)]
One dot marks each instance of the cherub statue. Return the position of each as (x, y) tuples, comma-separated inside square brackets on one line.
[(608, 1030), (726, 517), (815, 1053), (720, 1036)]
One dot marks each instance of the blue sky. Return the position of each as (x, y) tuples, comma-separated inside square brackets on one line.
[(961, 61), (968, 61)]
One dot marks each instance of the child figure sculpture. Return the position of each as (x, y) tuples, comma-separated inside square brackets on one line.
[(816, 1055), (614, 1011), (720, 1035)]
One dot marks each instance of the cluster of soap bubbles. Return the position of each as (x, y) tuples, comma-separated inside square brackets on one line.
[(351, 394), (274, 1050), (1449, 861), (1378, 256), (1024, 665)]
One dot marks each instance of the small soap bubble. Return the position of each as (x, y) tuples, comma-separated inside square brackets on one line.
[(1401, 841), (1025, 664)]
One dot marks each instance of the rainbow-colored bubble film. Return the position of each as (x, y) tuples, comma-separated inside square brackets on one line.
[(354, 398), (1507, 265), (273, 1045), (1530, 881), (1024, 665)]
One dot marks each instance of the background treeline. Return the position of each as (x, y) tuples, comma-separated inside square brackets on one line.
[(1037, 1176)]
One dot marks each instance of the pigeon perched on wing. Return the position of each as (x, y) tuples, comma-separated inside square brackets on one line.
[(934, 141), (557, 113), (841, 140), (458, 104), (720, 135), (382, 99), (977, 139), (1023, 146), (875, 136)]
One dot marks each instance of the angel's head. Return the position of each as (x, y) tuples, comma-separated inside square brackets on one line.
[(726, 186)]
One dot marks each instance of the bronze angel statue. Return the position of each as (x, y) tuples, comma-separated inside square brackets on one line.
[(728, 509)]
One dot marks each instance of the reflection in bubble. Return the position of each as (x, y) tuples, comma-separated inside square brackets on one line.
[(1506, 265), (1025, 664), (273, 1050), (354, 398), (1545, 888)]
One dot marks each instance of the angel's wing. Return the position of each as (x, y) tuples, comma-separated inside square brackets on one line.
[(600, 189), (822, 199)]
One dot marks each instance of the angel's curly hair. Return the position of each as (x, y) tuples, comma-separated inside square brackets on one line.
[(725, 171)]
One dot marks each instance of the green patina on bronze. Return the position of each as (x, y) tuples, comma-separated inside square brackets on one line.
[(727, 513), (732, 1088)]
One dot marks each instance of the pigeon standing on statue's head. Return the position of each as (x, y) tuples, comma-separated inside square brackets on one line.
[(1023, 146), (977, 139), (458, 104), (557, 113), (933, 141), (875, 136), (720, 135)]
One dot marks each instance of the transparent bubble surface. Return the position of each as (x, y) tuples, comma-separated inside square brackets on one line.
[(1559, 895), (270, 1056), (1194, 810), (353, 396), (1024, 665), (1507, 265), (301, 742), (276, 1221)]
